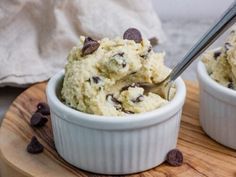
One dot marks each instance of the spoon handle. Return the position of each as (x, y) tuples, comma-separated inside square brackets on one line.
[(226, 20)]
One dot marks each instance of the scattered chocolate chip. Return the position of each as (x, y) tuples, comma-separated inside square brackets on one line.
[(35, 147), (138, 99), (217, 54), (133, 34), (227, 46), (43, 108), (90, 46), (111, 99), (127, 86), (174, 157), (96, 79), (231, 85), (38, 120)]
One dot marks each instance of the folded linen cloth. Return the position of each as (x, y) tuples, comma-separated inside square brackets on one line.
[(36, 35)]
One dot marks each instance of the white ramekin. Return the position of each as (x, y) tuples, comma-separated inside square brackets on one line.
[(217, 109), (114, 145)]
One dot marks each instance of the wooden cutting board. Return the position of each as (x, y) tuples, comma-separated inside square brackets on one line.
[(202, 156)]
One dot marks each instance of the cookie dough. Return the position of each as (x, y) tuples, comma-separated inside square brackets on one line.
[(221, 63), (102, 82)]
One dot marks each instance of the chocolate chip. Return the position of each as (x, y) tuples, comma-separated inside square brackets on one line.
[(227, 46), (90, 46), (133, 34), (118, 58), (138, 99), (38, 120), (127, 112), (35, 147), (96, 79), (174, 157), (231, 85), (149, 49), (121, 54), (145, 56), (133, 73), (43, 108), (133, 85), (111, 99), (88, 39), (123, 64), (217, 54)]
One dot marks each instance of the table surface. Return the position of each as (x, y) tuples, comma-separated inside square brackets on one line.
[(181, 35)]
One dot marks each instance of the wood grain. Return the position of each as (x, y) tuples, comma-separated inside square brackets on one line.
[(202, 156)]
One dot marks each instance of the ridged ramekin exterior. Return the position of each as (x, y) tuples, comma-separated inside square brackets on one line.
[(217, 109), (114, 145), (118, 151)]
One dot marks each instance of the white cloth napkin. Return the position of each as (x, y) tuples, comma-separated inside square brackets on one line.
[(36, 35)]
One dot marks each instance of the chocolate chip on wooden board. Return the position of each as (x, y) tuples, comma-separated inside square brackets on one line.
[(43, 108), (174, 157), (90, 46), (38, 120), (34, 147), (133, 34)]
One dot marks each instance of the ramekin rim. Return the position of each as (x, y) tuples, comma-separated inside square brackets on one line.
[(174, 105)]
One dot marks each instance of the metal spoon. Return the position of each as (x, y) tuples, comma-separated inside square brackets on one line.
[(226, 20)]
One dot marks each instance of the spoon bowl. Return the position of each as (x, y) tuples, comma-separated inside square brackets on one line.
[(162, 88)]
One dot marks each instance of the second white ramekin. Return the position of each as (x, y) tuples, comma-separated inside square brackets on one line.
[(114, 145), (217, 109)]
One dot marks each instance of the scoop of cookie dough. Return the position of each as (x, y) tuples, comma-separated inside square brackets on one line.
[(102, 82), (221, 63)]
